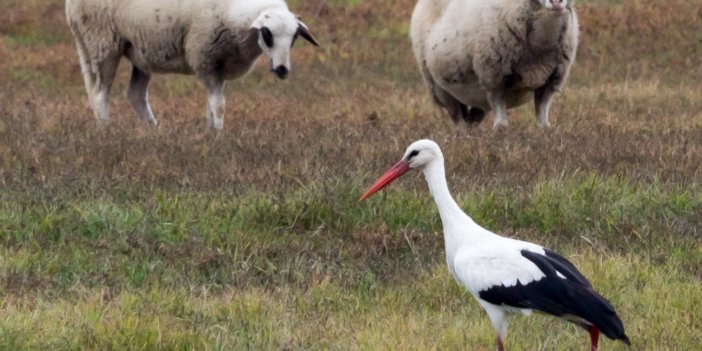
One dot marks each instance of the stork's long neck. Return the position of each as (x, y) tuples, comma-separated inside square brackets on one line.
[(459, 228), (436, 179)]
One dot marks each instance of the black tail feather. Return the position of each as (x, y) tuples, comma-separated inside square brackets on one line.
[(594, 308)]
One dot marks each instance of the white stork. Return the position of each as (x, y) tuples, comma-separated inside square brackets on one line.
[(506, 276)]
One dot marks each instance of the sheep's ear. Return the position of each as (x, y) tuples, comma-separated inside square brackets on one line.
[(305, 33)]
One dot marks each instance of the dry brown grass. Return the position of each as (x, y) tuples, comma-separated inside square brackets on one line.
[(633, 109)]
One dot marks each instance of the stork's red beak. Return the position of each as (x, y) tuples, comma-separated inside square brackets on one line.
[(393, 173)]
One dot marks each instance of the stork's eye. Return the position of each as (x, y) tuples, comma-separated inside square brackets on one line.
[(412, 154), (267, 36)]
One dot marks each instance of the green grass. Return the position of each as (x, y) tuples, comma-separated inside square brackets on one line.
[(37, 79), (33, 38), (313, 269), (427, 311)]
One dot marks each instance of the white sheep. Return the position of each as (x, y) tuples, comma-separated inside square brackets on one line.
[(478, 55), (215, 40)]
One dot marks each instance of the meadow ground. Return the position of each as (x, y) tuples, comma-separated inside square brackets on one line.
[(178, 238)]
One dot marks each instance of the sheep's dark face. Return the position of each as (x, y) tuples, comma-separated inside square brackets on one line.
[(558, 6), (278, 30)]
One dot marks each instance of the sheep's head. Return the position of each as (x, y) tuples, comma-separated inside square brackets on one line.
[(558, 6), (278, 29)]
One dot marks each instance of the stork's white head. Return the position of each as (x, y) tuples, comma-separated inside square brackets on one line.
[(558, 6), (421, 153), (418, 155), (278, 28)]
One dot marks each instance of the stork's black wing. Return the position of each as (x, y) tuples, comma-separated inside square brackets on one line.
[(566, 294)]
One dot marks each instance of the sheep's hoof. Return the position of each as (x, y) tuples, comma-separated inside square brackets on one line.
[(102, 122), (216, 124), (500, 124), (543, 124)]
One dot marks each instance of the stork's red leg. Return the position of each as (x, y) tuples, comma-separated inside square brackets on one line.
[(594, 337), (500, 346)]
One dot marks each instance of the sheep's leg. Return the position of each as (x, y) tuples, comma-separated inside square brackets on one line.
[(95, 87), (88, 77), (138, 95), (499, 105), (542, 102), (455, 108), (215, 102), (99, 54), (105, 75)]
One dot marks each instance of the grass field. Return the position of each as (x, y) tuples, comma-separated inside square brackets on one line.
[(180, 238)]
